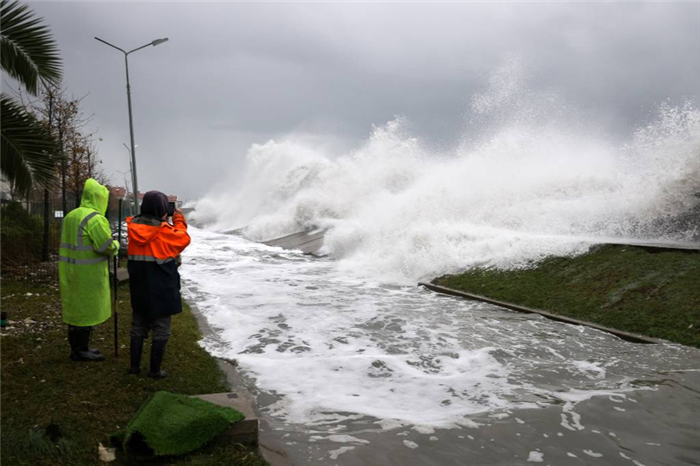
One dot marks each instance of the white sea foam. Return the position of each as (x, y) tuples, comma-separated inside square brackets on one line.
[(343, 340), (591, 369), (528, 180), (570, 419), (334, 454), (389, 424), (424, 429), (637, 463), (335, 346), (593, 454), (341, 439)]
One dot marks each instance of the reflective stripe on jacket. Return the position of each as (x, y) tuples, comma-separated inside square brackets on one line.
[(154, 281), (83, 267)]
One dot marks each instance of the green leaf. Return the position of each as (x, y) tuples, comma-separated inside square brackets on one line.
[(26, 147), (28, 52)]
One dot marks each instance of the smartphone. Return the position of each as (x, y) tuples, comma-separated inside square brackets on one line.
[(171, 209)]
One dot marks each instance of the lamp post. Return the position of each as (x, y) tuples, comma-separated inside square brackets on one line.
[(133, 208), (126, 184), (134, 181)]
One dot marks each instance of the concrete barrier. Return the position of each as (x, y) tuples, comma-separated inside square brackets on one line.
[(662, 245), (308, 242), (514, 307), (246, 431)]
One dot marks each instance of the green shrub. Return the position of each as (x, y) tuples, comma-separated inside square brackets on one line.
[(21, 235)]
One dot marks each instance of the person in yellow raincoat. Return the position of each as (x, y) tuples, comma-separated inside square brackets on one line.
[(83, 269)]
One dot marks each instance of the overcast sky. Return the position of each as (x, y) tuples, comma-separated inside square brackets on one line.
[(233, 74)]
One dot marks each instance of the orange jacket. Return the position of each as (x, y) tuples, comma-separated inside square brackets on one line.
[(150, 238), (154, 280)]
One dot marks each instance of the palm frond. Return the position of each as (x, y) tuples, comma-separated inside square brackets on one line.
[(27, 148), (28, 52)]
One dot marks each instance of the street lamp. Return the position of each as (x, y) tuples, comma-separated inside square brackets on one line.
[(129, 151), (126, 184), (134, 207), (131, 121)]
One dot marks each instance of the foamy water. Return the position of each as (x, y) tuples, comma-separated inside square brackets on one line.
[(347, 350), (336, 355)]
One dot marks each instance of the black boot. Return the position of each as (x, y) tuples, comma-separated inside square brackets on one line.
[(157, 353), (136, 349), (73, 340), (99, 356), (80, 345)]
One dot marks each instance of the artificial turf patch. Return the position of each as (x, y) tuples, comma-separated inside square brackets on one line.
[(169, 424)]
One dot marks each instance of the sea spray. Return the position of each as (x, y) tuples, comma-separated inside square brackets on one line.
[(527, 181)]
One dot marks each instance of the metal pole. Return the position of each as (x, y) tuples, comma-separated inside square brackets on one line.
[(131, 120), (116, 313), (134, 182), (119, 228), (133, 209)]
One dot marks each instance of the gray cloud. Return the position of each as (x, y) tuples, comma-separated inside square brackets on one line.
[(238, 73)]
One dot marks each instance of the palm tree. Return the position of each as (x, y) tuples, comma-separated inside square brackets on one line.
[(29, 54)]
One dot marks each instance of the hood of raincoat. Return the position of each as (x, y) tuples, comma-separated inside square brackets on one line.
[(95, 196), (143, 228), (155, 204)]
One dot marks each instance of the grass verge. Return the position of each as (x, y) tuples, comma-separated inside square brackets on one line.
[(640, 290), (55, 411)]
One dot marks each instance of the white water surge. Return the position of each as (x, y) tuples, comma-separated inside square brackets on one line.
[(529, 180), (345, 344), (335, 345)]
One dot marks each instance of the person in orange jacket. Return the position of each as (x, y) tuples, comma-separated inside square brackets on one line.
[(154, 249)]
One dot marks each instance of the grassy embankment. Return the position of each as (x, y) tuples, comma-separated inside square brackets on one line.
[(640, 290), (55, 411)]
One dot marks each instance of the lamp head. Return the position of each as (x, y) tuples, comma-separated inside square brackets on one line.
[(159, 41)]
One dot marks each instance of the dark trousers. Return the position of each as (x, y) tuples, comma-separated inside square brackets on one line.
[(161, 327)]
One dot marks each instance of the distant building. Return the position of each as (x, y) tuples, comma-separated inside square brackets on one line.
[(175, 200), (118, 192)]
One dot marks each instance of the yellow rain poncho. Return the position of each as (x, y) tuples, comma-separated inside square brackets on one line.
[(83, 267)]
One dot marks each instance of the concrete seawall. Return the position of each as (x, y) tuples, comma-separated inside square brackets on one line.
[(635, 338), (308, 242), (312, 242)]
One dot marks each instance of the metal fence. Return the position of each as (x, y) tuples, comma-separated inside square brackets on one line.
[(31, 233)]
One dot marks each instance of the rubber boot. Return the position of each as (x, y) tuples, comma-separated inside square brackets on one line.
[(157, 353), (95, 354), (136, 349), (73, 341), (94, 351), (81, 345)]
